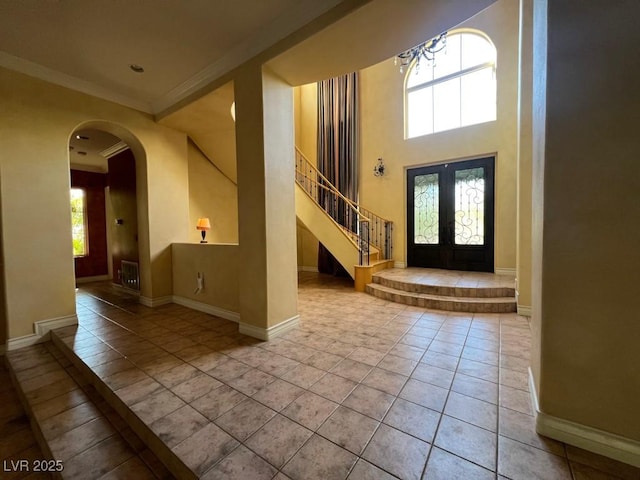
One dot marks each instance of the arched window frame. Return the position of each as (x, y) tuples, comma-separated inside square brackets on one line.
[(491, 64)]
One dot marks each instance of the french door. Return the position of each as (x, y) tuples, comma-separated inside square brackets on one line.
[(450, 215)]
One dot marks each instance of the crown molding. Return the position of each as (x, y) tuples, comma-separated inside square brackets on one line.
[(52, 76), (114, 149), (280, 28)]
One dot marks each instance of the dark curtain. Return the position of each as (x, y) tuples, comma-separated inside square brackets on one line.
[(338, 154)]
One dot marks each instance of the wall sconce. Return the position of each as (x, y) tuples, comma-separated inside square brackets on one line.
[(378, 170), (203, 225)]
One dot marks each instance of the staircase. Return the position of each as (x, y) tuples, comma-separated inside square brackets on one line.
[(446, 290), (360, 240)]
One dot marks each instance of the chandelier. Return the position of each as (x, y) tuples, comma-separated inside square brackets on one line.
[(426, 51)]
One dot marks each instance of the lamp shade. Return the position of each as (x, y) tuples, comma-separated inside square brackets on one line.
[(203, 224)]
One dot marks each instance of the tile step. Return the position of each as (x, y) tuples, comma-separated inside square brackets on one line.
[(73, 424), (444, 302), (96, 360), (444, 290)]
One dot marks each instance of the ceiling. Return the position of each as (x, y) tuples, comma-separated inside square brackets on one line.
[(89, 149), (183, 45), (187, 46)]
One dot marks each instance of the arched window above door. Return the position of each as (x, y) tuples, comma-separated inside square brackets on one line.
[(457, 90)]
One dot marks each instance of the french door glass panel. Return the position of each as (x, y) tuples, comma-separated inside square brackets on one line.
[(469, 206), (426, 195)]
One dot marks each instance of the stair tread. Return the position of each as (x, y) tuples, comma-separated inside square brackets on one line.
[(41, 371), (443, 298), (121, 393), (442, 287)]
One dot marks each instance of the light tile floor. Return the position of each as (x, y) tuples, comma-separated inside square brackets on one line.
[(363, 389), (17, 441)]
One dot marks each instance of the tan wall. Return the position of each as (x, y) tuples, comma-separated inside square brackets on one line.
[(3, 302), (327, 231), (35, 126), (307, 248), (219, 266), (212, 195), (524, 156), (586, 183), (306, 123), (382, 135), (282, 278), (376, 30), (266, 207)]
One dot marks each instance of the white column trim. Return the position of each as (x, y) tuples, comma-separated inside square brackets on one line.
[(156, 302), (302, 268), (505, 271), (206, 308), (583, 436), (43, 326), (524, 310), (271, 332)]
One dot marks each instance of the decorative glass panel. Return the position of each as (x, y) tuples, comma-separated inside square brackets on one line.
[(469, 206), (426, 209)]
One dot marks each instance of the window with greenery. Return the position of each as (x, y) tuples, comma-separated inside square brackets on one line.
[(459, 89), (79, 222)]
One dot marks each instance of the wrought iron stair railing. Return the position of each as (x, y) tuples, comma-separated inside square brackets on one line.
[(363, 227)]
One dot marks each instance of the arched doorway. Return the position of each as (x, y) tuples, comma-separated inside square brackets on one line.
[(106, 204)]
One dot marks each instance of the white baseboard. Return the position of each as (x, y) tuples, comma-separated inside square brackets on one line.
[(588, 438), (524, 310), (25, 341), (122, 288), (156, 302), (43, 326), (505, 271), (41, 334), (271, 332), (399, 265), (206, 308), (302, 268), (96, 278)]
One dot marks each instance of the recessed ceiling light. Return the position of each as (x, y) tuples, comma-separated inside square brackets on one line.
[(136, 68), (82, 153), (82, 137)]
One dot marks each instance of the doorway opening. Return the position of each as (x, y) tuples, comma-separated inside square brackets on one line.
[(450, 215), (104, 209)]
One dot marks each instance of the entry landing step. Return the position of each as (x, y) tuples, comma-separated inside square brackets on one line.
[(80, 435), (446, 290)]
